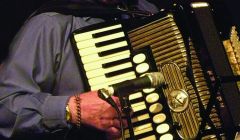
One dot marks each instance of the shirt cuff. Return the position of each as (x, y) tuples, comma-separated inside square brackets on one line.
[(54, 112)]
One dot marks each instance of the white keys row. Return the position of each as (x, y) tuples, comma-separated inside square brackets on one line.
[(98, 64), (101, 72), (95, 50), (106, 84), (91, 42), (139, 130), (138, 106), (95, 57), (88, 35), (140, 118), (103, 79)]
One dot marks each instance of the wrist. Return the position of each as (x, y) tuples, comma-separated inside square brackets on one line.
[(74, 110), (68, 114)]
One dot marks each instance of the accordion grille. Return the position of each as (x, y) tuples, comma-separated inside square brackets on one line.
[(169, 51), (178, 101)]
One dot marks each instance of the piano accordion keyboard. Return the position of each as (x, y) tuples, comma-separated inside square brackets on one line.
[(105, 55), (106, 59), (167, 45)]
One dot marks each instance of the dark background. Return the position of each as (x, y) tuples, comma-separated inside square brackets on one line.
[(14, 12)]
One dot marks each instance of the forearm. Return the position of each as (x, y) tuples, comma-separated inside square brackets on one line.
[(38, 113)]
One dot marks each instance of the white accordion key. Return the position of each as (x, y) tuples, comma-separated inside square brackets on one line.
[(94, 49), (104, 79), (101, 71), (140, 118), (96, 57), (91, 42), (99, 64), (88, 35), (138, 106)]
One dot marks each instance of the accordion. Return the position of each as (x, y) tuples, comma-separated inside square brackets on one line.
[(186, 108)]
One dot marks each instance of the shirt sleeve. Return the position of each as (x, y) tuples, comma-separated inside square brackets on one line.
[(27, 80)]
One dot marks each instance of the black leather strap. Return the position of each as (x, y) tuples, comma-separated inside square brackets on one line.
[(80, 9)]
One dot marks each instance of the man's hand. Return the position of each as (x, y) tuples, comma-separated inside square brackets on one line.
[(97, 113)]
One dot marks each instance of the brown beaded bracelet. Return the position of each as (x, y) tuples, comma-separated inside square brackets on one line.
[(78, 102)]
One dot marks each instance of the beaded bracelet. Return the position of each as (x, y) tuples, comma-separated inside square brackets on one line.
[(78, 102)]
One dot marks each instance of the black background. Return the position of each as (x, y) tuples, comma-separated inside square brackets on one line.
[(13, 13)]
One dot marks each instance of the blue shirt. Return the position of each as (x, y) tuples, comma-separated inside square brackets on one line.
[(41, 73)]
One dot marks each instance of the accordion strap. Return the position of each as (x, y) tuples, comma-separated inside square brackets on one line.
[(80, 9), (87, 9)]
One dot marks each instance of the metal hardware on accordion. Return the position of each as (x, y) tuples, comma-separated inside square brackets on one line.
[(105, 56), (179, 101), (170, 52)]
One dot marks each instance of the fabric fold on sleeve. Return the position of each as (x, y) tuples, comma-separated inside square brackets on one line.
[(51, 117)]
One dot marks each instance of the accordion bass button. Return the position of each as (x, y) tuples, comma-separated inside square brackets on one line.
[(151, 98), (155, 108), (163, 128), (166, 137), (152, 137), (139, 58), (159, 118), (148, 90), (142, 68)]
